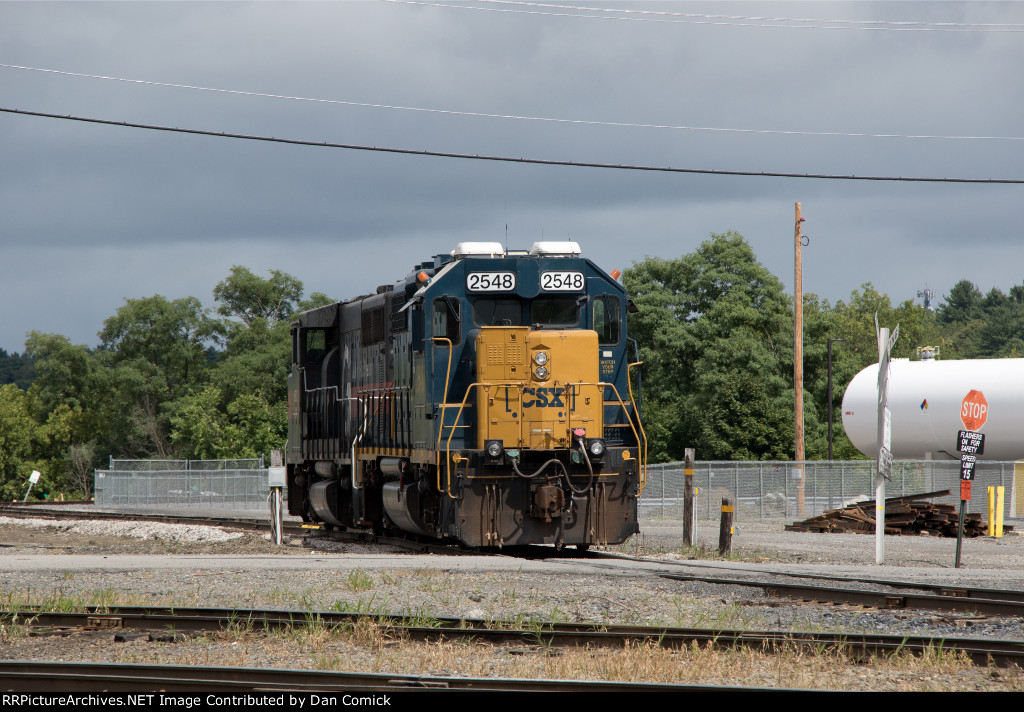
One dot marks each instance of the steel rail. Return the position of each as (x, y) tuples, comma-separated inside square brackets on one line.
[(295, 529), (79, 677), (247, 523), (856, 645), (955, 600), (963, 594), (940, 589)]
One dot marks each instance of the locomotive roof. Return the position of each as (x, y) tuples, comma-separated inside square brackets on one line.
[(411, 287)]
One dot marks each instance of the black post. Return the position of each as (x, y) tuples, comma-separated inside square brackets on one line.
[(960, 532), (688, 497), (725, 529)]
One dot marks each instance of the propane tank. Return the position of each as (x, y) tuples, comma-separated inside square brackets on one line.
[(927, 400)]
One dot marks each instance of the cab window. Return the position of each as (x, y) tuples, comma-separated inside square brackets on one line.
[(497, 312), (555, 311), (607, 311), (447, 318), (315, 346)]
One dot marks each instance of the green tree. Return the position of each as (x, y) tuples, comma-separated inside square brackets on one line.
[(247, 297), (1000, 332), (16, 369), (257, 356), (154, 351), (166, 341), (27, 444), (18, 436), (716, 341), (962, 305), (248, 427), (63, 370)]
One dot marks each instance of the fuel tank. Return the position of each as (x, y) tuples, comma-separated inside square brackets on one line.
[(927, 399)]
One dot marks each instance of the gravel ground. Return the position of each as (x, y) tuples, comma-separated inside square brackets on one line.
[(138, 563)]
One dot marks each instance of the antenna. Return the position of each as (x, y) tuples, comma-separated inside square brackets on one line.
[(928, 295)]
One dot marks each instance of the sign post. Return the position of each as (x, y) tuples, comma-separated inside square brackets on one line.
[(32, 479), (883, 471), (970, 444), (276, 477)]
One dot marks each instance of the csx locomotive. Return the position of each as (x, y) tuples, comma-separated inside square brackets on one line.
[(483, 399)]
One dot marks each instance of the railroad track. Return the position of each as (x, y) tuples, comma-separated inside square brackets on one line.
[(889, 594), (291, 529), (983, 601), (170, 621), (46, 677), (29, 511)]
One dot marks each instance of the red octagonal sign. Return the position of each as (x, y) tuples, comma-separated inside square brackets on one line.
[(974, 410)]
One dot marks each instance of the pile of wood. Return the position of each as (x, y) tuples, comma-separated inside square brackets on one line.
[(903, 515)]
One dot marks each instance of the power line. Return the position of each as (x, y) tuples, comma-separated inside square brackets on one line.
[(693, 18), (512, 117), (509, 159)]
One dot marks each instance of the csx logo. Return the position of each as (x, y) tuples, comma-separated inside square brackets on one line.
[(539, 398)]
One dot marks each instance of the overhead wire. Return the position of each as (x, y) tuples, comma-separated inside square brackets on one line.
[(512, 117), (692, 18), (509, 159)]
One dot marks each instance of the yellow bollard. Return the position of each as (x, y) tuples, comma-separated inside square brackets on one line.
[(1000, 491)]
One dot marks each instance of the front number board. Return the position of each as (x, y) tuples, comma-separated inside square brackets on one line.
[(562, 281), (491, 282)]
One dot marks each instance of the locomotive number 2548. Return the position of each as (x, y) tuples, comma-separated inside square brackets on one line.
[(562, 281), (491, 281)]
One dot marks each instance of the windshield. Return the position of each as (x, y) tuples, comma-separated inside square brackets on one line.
[(510, 311)]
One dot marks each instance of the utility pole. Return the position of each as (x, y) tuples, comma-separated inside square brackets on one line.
[(798, 362)]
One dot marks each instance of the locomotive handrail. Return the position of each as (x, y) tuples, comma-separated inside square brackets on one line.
[(519, 386), (358, 438), (640, 437), (363, 398), (447, 380), (636, 409), (319, 393)]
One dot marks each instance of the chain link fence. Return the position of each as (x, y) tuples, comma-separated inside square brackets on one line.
[(771, 491), (767, 491), (182, 484)]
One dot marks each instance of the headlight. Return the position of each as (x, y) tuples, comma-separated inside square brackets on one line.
[(493, 448), (541, 373), (540, 358), (596, 447)]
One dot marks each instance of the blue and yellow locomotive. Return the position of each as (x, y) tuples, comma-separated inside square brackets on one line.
[(483, 399)]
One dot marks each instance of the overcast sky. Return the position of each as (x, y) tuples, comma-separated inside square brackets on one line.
[(94, 214)]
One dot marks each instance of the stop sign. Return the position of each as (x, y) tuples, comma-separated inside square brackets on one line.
[(974, 410)]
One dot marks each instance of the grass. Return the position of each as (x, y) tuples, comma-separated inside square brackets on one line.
[(358, 580), (361, 606), (509, 599), (372, 646), (58, 601)]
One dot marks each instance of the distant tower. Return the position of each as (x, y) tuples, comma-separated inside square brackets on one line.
[(928, 295)]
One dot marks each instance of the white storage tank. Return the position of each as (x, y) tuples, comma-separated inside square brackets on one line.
[(926, 399)]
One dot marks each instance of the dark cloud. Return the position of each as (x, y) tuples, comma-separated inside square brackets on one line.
[(94, 214)]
